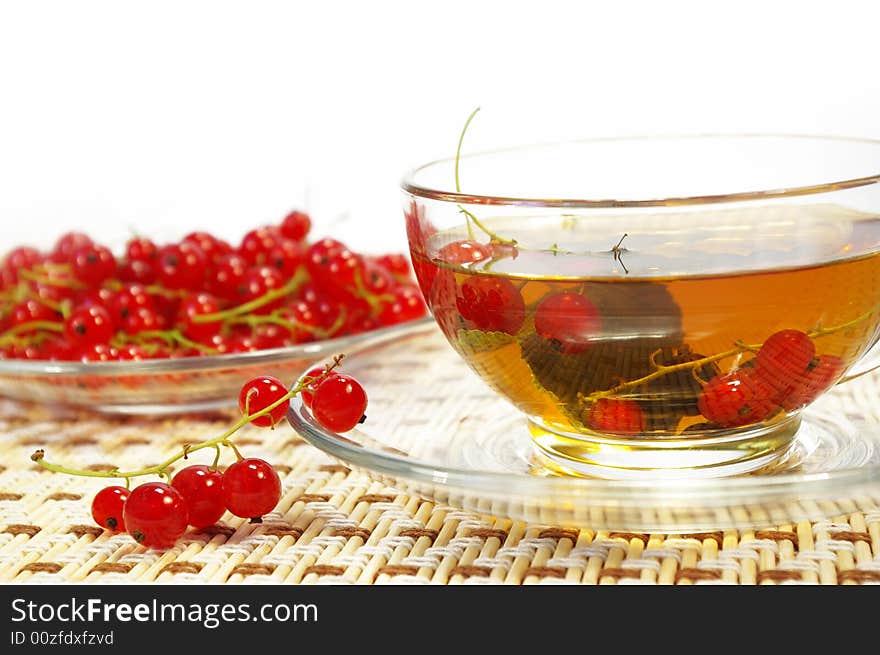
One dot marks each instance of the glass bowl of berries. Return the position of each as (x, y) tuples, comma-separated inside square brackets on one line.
[(172, 326), (657, 306)]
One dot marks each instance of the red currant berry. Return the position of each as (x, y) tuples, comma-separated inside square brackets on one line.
[(820, 376), (93, 264), (59, 349), (491, 303), (138, 271), (89, 324), (616, 416), (142, 319), (339, 402), (67, 244), (107, 506), (358, 321), (296, 225), (784, 357), (127, 300), (155, 515), (257, 394), (95, 352), (308, 391), (242, 343), (306, 319), (259, 281), (257, 244), (132, 353), (182, 266), (268, 336), (736, 399), (464, 252), (340, 269), (198, 304), (318, 256), (213, 247), (396, 264), (287, 256), (408, 305), (202, 488), (568, 321), (251, 488), (227, 278), (376, 279), (141, 249), (19, 259), (101, 297), (29, 311)]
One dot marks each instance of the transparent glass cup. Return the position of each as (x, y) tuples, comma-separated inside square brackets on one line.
[(656, 306)]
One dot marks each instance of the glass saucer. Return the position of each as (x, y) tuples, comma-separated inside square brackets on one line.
[(434, 429)]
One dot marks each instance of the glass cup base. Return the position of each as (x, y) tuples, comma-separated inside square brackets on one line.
[(620, 458)]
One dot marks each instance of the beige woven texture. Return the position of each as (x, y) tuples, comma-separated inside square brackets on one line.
[(334, 526)]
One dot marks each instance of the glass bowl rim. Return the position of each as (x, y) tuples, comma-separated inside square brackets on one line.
[(52, 368), (409, 185)]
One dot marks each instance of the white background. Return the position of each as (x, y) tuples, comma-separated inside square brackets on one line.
[(162, 117)]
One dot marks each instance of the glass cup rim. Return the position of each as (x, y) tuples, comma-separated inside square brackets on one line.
[(408, 182)]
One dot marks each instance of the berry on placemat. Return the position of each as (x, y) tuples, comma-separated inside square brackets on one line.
[(202, 489), (251, 488), (155, 515), (107, 506)]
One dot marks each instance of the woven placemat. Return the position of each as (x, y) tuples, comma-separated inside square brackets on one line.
[(335, 526)]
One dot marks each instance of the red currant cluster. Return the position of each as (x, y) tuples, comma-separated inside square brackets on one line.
[(786, 374), (156, 514), (197, 296)]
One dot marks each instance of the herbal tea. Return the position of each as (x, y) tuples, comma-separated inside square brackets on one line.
[(690, 324)]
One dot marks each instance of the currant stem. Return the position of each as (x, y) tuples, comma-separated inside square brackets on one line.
[(372, 299), (470, 217), (292, 285), (67, 283), (740, 347), (170, 337), (162, 468), (30, 326), (276, 319)]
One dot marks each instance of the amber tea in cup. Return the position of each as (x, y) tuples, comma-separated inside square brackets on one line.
[(654, 337)]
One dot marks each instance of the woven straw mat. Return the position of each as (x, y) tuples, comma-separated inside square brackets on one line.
[(336, 526)]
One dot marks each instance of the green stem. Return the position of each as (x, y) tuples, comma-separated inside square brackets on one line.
[(171, 338), (464, 130), (374, 301), (739, 348), (67, 283), (292, 285), (468, 215), (162, 468), (31, 326)]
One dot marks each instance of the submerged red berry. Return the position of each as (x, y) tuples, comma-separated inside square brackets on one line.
[(616, 416), (569, 321)]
